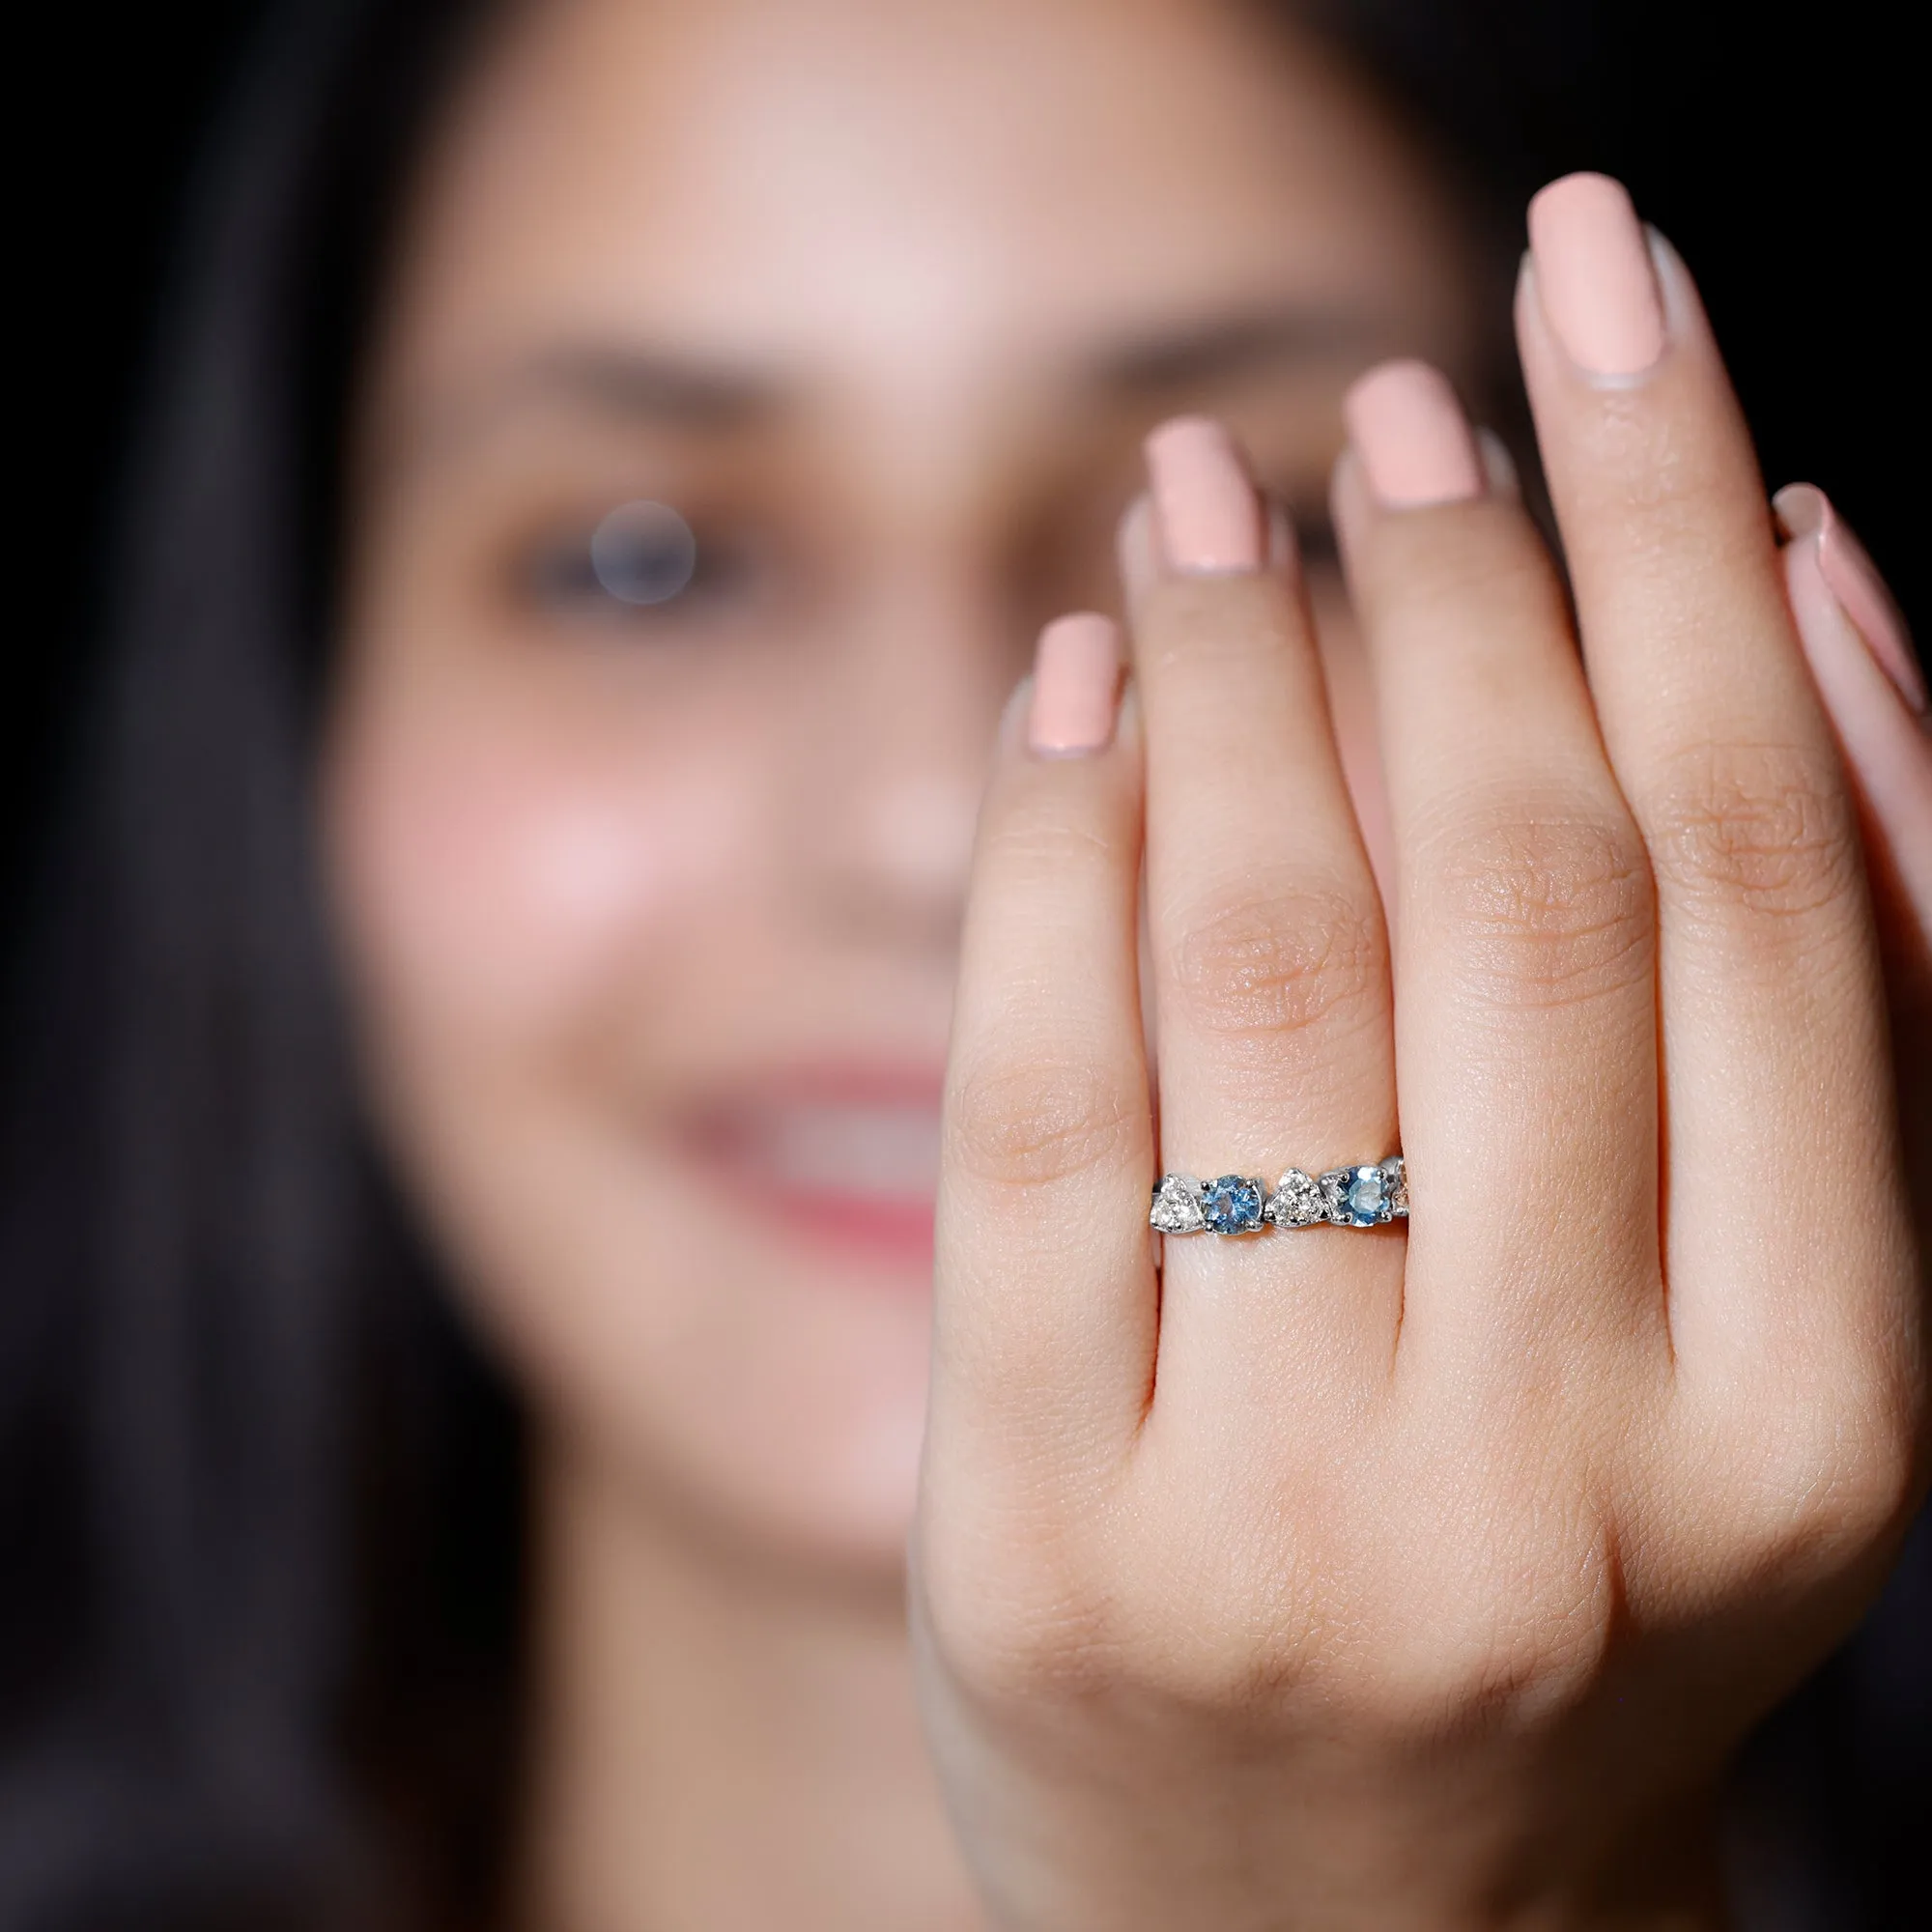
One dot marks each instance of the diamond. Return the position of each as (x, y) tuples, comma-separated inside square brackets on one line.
[(1176, 1205), (1298, 1202), (1395, 1185), (1354, 1196), (1233, 1205)]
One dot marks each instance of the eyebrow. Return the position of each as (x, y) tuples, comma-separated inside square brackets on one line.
[(1240, 345), (675, 391)]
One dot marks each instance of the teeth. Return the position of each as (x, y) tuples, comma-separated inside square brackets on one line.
[(885, 1153)]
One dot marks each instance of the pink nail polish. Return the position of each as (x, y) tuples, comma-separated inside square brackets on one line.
[(1206, 509), (1412, 437), (1076, 684), (1807, 514), (1594, 275)]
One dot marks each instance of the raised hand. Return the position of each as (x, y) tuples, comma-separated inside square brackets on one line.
[(1422, 1574)]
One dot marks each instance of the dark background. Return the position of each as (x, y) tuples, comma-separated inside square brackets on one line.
[(1781, 148)]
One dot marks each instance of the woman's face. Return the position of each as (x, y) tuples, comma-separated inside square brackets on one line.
[(651, 908)]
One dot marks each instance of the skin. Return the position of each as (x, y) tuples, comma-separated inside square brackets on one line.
[(623, 893)]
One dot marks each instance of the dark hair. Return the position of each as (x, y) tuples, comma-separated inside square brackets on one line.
[(259, 1495), (261, 1498)]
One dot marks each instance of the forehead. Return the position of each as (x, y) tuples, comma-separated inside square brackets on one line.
[(908, 191)]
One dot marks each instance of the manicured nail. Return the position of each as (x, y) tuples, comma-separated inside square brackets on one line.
[(1206, 509), (1594, 275), (1076, 686), (1412, 437), (1806, 515)]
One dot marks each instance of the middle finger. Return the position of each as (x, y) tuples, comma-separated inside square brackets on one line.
[(1525, 998)]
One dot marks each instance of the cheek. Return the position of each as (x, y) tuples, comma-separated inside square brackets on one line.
[(545, 927), (496, 882)]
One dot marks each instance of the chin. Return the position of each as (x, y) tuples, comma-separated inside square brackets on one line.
[(742, 1366), (770, 1413), (833, 1501)]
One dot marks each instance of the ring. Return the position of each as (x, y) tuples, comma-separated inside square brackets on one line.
[(1236, 1204)]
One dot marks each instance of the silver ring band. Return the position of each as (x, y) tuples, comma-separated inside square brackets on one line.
[(1236, 1204)]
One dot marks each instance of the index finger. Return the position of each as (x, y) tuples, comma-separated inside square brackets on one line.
[(1045, 1295)]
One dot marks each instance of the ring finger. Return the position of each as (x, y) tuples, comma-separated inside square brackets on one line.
[(1269, 956)]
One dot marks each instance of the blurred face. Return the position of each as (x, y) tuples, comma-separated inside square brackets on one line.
[(651, 905)]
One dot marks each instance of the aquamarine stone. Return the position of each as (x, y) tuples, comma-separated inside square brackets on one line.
[(1363, 1197), (1233, 1205)]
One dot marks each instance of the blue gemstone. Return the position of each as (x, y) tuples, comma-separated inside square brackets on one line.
[(1231, 1205), (1364, 1196)]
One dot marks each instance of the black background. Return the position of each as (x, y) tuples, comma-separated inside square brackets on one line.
[(1781, 148)]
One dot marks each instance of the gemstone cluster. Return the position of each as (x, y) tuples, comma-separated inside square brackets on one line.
[(1298, 1202), (1177, 1206)]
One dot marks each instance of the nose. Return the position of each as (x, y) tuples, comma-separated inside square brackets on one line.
[(899, 731)]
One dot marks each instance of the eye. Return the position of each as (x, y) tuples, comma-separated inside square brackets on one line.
[(643, 552), (642, 556)]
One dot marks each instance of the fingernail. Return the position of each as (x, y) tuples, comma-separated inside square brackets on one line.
[(1076, 684), (1205, 510), (1594, 275), (1849, 573), (1412, 436)]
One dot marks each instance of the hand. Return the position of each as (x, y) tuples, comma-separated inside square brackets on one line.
[(1426, 1578)]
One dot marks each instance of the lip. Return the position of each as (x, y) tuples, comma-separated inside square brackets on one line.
[(842, 1159)]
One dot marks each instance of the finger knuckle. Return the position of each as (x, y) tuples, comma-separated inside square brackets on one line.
[(1197, 1632), (1026, 1633), (1551, 908), (1758, 832), (1025, 1123), (1481, 561), (1278, 960), (1225, 1684), (1659, 476), (1869, 1485), (1201, 622), (1521, 1618), (1827, 1482), (1044, 844)]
